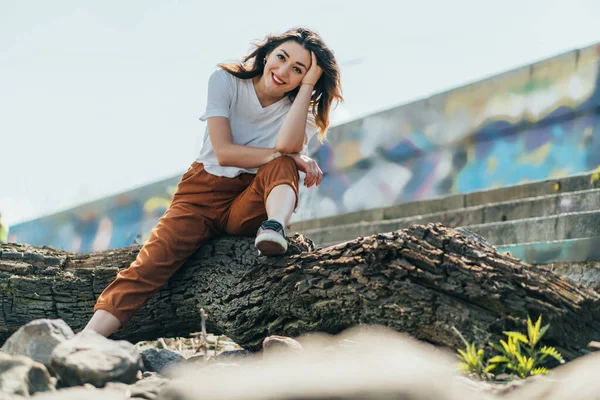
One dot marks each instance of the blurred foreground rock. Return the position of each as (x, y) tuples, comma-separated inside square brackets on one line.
[(91, 358), (366, 362), (23, 376), (38, 339)]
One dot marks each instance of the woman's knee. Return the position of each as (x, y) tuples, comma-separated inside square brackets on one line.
[(280, 167), (288, 161), (245, 226)]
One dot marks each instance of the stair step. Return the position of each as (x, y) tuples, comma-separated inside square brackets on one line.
[(551, 228), (541, 206), (571, 183), (556, 251)]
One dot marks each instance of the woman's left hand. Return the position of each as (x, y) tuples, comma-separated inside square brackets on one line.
[(314, 175), (314, 72)]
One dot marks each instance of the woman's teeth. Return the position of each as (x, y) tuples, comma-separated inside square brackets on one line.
[(277, 80)]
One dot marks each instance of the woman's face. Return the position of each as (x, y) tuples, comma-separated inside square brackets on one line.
[(285, 67)]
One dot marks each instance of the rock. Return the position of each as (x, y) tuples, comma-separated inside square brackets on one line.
[(6, 396), (143, 389), (23, 376), (222, 365), (381, 364), (234, 355), (84, 393), (37, 339), (278, 343), (496, 388), (197, 358), (158, 360), (150, 375), (91, 358)]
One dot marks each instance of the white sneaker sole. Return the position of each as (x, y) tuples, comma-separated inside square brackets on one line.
[(271, 243)]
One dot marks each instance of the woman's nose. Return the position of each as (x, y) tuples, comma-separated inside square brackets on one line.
[(284, 71)]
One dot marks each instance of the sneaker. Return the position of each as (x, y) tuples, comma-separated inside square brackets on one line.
[(270, 239)]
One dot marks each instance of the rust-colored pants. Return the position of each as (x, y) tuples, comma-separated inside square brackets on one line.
[(203, 207)]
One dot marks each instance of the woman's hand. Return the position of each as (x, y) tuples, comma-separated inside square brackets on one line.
[(314, 72), (314, 175)]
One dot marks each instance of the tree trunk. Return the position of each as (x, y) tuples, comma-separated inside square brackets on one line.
[(422, 281)]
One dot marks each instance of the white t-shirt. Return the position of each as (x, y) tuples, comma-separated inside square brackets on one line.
[(251, 124)]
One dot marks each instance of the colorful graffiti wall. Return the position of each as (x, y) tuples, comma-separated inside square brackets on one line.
[(537, 122)]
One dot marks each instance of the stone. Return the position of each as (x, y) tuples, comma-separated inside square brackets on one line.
[(278, 343), (91, 358), (6, 396), (226, 356), (84, 393), (143, 389), (37, 339), (23, 376), (381, 364), (159, 360)]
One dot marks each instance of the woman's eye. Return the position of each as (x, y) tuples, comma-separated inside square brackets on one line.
[(280, 57), (298, 70)]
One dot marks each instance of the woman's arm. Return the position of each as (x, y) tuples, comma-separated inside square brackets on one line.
[(235, 155), (292, 134)]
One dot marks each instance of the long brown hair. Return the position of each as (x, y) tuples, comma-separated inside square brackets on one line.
[(327, 89)]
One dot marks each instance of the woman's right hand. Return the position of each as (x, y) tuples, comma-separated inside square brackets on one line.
[(314, 175), (314, 72)]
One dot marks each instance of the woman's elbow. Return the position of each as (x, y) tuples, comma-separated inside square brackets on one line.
[(289, 144), (222, 159), (287, 148)]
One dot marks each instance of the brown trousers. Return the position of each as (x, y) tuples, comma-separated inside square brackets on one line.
[(204, 206)]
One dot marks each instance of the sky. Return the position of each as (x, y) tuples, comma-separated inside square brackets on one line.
[(99, 97)]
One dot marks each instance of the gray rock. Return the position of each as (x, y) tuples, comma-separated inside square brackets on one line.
[(232, 355), (23, 376), (380, 365), (6, 396), (280, 343), (91, 358), (84, 393), (159, 360), (143, 389), (150, 375), (37, 339)]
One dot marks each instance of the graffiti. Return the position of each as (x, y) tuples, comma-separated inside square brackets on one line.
[(537, 122), (533, 123), (117, 221)]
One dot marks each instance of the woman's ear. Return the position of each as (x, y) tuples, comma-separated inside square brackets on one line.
[(265, 58)]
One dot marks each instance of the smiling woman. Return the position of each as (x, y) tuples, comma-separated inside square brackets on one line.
[(261, 114)]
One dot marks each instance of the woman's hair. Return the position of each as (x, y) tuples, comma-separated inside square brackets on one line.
[(326, 90)]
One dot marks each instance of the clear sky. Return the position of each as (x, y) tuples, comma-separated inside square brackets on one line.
[(98, 97)]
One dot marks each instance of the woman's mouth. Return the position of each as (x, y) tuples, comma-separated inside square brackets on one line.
[(276, 80)]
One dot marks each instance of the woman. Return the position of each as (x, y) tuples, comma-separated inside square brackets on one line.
[(261, 114)]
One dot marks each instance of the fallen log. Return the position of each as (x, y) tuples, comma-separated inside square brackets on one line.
[(423, 281)]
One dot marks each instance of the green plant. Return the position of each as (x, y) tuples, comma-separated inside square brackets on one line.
[(472, 361), (519, 355), (595, 176)]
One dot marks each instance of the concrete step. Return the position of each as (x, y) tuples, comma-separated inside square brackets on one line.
[(541, 206), (579, 250), (572, 183), (551, 228)]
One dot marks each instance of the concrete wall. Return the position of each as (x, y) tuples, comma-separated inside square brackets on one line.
[(536, 122), (540, 121)]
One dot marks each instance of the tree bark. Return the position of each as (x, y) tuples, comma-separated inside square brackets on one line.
[(423, 281)]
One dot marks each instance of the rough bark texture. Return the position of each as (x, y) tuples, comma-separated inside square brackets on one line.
[(422, 281)]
